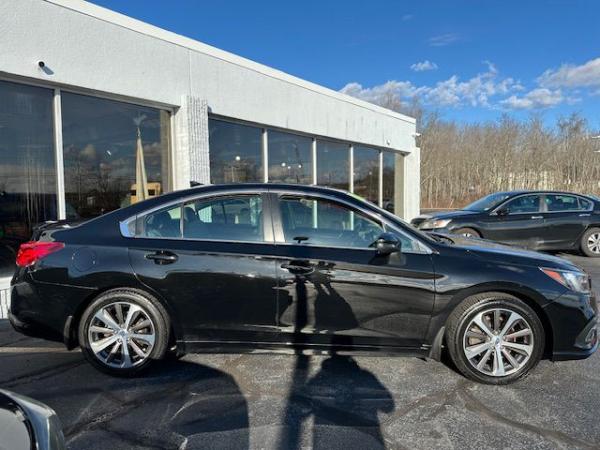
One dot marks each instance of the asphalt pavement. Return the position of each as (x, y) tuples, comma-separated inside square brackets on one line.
[(292, 402)]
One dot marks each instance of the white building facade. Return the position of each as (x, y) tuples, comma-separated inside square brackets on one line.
[(78, 80)]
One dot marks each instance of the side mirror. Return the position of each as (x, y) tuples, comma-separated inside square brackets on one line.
[(502, 211), (387, 244)]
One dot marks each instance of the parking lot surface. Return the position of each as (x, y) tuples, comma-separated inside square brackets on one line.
[(285, 401)]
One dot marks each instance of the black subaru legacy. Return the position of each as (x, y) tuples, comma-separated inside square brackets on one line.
[(294, 268), (539, 220)]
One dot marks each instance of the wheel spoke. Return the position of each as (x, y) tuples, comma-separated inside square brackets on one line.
[(113, 352), (475, 350), (126, 362), (476, 335), (131, 313), (498, 368), (485, 359), (513, 362), (147, 338), (140, 326), (104, 316), (100, 345), (524, 349), (518, 334), (512, 318), (478, 320), (496, 320), (103, 330), (136, 348), (119, 311)]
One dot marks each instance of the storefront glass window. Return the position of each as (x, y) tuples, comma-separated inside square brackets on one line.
[(289, 158), (366, 173), (27, 167), (391, 180), (333, 164), (235, 152), (115, 154)]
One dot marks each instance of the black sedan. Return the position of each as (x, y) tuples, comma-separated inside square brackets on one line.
[(297, 269), (539, 220)]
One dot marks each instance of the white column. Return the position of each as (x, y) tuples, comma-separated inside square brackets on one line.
[(351, 167), (192, 159), (407, 198), (58, 157), (314, 160), (380, 178)]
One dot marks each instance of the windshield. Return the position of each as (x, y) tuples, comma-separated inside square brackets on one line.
[(486, 203)]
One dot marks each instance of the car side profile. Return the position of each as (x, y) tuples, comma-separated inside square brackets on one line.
[(539, 220), (294, 268)]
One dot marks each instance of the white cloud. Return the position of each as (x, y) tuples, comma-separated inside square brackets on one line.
[(479, 90), (443, 39), (423, 66), (572, 76), (536, 99)]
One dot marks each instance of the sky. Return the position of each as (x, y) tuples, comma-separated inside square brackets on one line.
[(471, 61)]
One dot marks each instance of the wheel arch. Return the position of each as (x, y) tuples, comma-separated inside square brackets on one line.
[(530, 297), (72, 323)]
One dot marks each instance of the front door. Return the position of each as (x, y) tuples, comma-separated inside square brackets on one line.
[(334, 289), (209, 259), (519, 221)]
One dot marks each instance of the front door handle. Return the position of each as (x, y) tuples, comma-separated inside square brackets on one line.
[(162, 257), (298, 268), (537, 217)]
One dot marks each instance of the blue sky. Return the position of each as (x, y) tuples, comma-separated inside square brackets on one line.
[(470, 60)]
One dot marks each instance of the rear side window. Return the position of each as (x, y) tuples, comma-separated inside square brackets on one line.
[(558, 202), (232, 218), (164, 223)]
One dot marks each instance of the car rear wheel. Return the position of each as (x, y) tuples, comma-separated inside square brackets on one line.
[(495, 338), (123, 332), (590, 243), (467, 232)]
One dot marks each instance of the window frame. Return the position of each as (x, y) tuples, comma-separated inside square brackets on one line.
[(129, 226), (506, 202), (279, 234), (579, 200)]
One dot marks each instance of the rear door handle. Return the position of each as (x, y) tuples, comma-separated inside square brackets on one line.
[(537, 217), (298, 268), (585, 215), (162, 257)]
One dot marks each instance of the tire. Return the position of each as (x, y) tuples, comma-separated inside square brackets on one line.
[(148, 330), (590, 243), (526, 349), (467, 232)]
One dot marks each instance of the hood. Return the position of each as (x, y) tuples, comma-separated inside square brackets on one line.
[(493, 251), (447, 214)]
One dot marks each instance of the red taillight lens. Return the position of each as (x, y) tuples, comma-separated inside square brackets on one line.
[(33, 251)]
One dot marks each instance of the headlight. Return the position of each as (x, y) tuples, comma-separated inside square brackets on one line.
[(435, 223), (576, 281)]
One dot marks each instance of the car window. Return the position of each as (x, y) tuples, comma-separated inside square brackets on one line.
[(559, 202), (164, 223), (524, 204), (325, 223), (232, 218)]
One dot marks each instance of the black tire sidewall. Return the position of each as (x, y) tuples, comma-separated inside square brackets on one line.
[(509, 303), (583, 243), (462, 230), (158, 318)]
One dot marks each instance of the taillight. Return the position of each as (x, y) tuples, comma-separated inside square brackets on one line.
[(33, 251)]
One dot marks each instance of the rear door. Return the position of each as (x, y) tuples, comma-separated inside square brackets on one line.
[(566, 217), (522, 224), (209, 258), (334, 289)]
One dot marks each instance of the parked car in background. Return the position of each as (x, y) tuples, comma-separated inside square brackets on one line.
[(288, 268), (539, 220), (26, 424)]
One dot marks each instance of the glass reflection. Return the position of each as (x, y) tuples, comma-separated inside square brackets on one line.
[(289, 158), (333, 164), (27, 166), (391, 181), (235, 152), (115, 154), (366, 173)]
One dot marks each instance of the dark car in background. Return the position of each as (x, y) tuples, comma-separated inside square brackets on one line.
[(294, 268), (539, 220)]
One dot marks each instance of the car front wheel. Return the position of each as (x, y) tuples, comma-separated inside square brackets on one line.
[(495, 338), (123, 331), (590, 243)]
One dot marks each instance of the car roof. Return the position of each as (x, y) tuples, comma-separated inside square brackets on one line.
[(536, 191)]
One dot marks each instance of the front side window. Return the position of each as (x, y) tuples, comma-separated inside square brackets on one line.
[(115, 154), (325, 223), (557, 203), (234, 218), (524, 205), (27, 167)]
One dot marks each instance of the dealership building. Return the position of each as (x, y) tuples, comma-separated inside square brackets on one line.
[(98, 110)]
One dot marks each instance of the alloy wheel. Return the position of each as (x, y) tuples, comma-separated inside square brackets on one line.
[(121, 335), (593, 243), (498, 342)]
